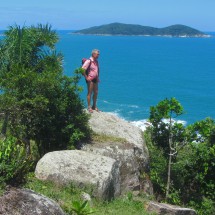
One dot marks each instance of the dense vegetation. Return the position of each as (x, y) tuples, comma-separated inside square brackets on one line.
[(129, 29), (38, 102), (182, 158), (40, 107)]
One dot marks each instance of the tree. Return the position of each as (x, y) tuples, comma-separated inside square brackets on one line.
[(166, 133), (194, 171), (39, 102), (192, 166), (201, 167)]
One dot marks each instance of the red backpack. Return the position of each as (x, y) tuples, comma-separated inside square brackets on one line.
[(83, 61)]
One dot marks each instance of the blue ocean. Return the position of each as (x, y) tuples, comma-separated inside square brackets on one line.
[(138, 72)]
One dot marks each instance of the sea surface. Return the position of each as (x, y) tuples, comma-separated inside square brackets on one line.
[(138, 72)]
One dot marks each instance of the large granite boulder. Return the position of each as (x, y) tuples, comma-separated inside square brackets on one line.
[(26, 202), (109, 124), (166, 209), (81, 168), (132, 153), (130, 163)]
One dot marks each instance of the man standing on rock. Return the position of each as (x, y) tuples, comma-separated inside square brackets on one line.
[(91, 74)]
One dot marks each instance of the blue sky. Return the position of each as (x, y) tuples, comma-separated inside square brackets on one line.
[(78, 14)]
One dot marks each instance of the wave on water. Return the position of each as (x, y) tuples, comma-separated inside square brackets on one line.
[(116, 113), (121, 105), (130, 112), (144, 124), (183, 122), (175, 121), (130, 106)]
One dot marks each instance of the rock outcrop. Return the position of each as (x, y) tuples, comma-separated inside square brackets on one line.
[(27, 202), (112, 166), (81, 168), (130, 161), (109, 124), (132, 153), (166, 209)]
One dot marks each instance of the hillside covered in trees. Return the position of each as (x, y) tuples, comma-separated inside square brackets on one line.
[(139, 30)]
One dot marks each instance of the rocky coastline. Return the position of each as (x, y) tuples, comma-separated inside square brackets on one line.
[(112, 164)]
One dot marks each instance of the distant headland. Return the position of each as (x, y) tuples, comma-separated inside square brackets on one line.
[(118, 29)]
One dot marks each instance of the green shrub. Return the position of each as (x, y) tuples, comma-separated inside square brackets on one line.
[(39, 102), (14, 163), (192, 169), (81, 208), (204, 207), (158, 166)]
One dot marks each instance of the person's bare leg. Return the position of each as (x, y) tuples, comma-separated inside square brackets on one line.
[(89, 93), (95, 95)]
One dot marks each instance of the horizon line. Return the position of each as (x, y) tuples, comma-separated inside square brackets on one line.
[(82, 29)]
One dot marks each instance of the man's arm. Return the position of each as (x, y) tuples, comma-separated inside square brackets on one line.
[(85, 67), (84, 73)]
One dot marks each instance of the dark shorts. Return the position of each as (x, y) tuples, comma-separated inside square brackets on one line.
[(95, 80)]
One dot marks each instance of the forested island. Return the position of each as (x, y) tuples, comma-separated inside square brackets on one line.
[(139, 30)]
